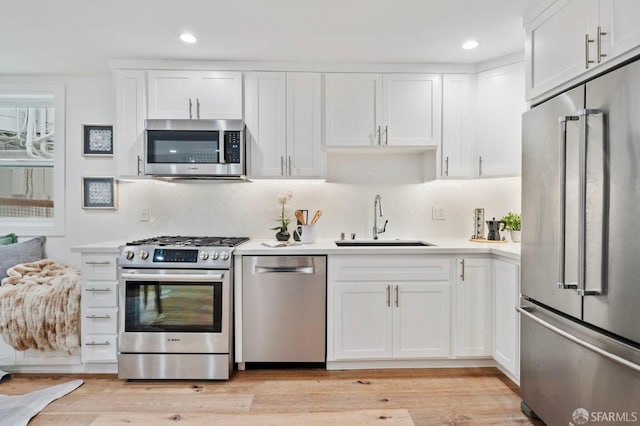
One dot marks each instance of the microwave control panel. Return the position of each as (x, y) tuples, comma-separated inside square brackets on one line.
[(232, 144)]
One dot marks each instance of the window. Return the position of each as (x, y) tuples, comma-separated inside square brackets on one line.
[(32, 160)]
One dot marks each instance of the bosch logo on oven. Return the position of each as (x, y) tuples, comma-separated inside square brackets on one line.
[(173, 340)]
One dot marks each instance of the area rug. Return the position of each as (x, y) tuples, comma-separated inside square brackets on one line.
[(17, 410)]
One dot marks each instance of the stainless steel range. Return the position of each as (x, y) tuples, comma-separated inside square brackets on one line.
[(175, 298)]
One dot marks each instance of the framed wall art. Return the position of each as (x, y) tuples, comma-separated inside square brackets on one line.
[(99, 193), (97, 140)]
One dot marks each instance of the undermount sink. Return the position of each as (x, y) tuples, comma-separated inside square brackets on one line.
[(382, 243)]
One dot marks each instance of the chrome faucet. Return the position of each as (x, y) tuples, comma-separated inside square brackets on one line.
[(377, 210)]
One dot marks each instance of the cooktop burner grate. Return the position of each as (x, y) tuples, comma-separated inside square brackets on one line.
[(184, 241)]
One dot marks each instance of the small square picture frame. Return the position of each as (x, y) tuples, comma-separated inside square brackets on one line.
[(100, 192), (97, 140)]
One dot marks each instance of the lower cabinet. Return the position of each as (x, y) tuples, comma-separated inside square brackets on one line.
[(506, 322), (388, 307), (473, 307)]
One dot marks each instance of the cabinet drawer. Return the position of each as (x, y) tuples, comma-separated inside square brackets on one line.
[(100, 348), (100, 294), (389, 268), (99, 267), (100, 321)]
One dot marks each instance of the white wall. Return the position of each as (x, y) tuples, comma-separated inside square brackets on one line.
[(250, 208)]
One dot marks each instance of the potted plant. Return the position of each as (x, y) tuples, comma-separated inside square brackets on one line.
[(514, 225), (283, 221)]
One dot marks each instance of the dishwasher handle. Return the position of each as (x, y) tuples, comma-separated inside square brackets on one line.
[(283, 270)]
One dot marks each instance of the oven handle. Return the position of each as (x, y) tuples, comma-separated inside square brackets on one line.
[(173, 277)]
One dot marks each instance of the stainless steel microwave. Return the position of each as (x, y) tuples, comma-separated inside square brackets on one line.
[(194, 148)]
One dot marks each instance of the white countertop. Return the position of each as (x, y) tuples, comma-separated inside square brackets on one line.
[(442, 246), (254, 247)]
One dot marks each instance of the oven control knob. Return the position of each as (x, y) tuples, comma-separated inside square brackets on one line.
[(129, 255), (144, 254), (224, 255), (204, 255), (215, 255)]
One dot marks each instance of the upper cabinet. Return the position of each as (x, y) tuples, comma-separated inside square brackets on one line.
[(456, 126), (498, 121), (283, 118), (382, 110), (571, 37), (194, 94), (129, 124)]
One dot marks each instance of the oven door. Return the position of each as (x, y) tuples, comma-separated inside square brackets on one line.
[(174, 311)]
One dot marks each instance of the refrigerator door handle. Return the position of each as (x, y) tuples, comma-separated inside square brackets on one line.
[(527, 311), (582, 290), (563, 202)]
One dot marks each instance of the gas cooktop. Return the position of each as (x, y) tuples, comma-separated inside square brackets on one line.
[(180, 252), (183, 241)]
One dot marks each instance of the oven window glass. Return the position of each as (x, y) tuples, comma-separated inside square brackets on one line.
[(184, 146), (173, 307)]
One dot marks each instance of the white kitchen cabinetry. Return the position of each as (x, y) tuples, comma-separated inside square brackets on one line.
[(498, 130), (392, 307), (473, 307), (99, 308), (283, 119), (506, 325), (457, 141), (383, 110), (573, 36), (194, 94), (129, 125)]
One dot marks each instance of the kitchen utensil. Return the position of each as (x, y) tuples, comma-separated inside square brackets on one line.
[(300, 217), (316, 217), (494, 229)]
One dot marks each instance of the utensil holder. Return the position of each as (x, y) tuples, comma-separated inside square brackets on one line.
[(308, 234)]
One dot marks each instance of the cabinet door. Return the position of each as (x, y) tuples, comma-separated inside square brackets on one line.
[(473, 307), (411, 109), (129, 126), (506, 329), (362, 321), (456, 126), (500, 104), (265, 121), (305, 153), (421, 320), (619, 20), (352, 109), (555, 44), (171, 94), (218, 95)]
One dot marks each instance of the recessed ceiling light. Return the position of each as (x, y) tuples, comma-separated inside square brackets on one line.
[(188, 38), (470, 44)]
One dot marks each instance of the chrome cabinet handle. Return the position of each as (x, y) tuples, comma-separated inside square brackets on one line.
[(190, 105), (289, 163), (462, 270), (397, 297), (480, 165), (386, 135), (582, 201), (587, 61), (198, 108), (563, 202), (139, 162), (97, 344), (388, 296), (98, 262), (379, 136), (446, 164), (599, 44), (98, 290), (526, 311), (281, 165), (98, 316)]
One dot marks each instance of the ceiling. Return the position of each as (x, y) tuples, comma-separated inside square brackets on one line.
[(62, 36)]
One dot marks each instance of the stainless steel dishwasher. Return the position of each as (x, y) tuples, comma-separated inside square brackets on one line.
[(284, 302)]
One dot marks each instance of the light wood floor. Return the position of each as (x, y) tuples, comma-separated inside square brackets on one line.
[(286, 397)]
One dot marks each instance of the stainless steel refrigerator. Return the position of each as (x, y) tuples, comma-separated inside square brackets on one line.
[(580, 306)]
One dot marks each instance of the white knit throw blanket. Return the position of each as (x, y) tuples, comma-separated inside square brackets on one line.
[(40, 307)]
